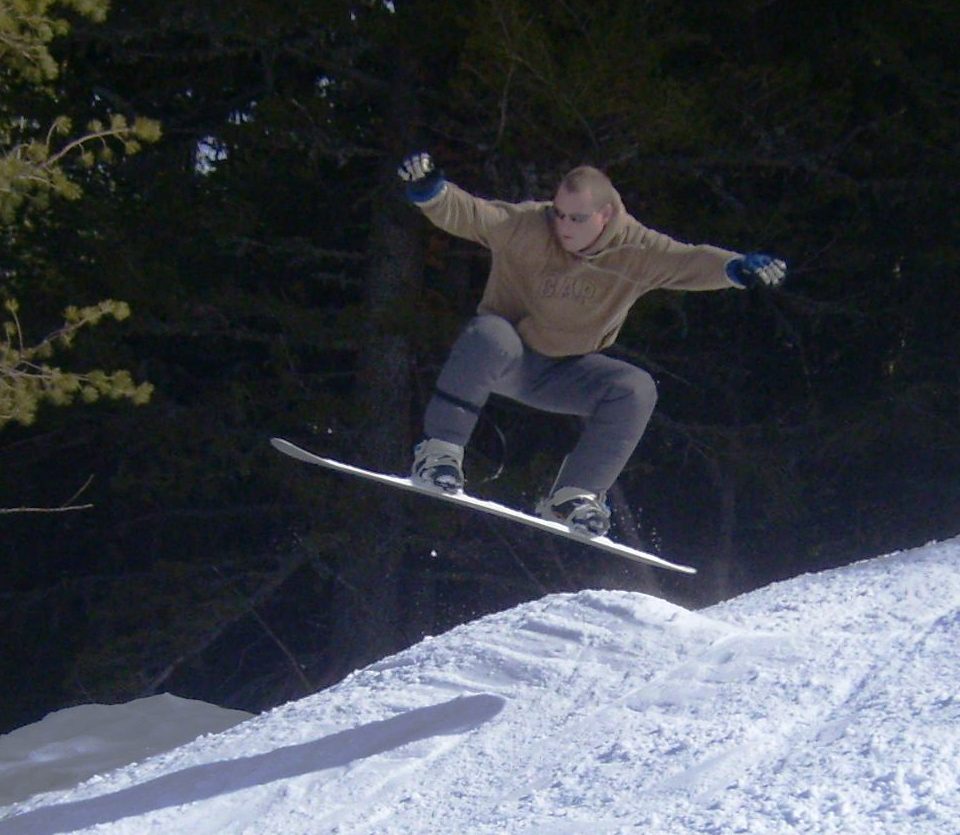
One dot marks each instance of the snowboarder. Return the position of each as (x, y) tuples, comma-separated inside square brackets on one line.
[(564, 275)]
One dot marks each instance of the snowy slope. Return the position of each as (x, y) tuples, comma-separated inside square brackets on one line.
[(828, 703)]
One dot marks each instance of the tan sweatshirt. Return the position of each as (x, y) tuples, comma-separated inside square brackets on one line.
[(565, 304)]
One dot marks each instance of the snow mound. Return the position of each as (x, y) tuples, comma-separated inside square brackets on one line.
[(824, 704)]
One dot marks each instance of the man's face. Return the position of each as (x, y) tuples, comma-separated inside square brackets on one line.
[(576, 221)]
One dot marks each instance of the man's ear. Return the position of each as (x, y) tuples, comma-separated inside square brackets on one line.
[(606, 213)]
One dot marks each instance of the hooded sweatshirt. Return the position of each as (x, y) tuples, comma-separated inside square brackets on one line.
[(562, 303)]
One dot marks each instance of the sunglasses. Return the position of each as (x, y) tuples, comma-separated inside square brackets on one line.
[(577, 217)]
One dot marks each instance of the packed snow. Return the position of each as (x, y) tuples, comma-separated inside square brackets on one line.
[(828, 703)]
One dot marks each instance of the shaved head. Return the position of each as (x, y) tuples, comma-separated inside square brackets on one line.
[(586, 178)]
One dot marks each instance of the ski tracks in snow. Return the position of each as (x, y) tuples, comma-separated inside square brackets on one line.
[(563, 667), (881, 709), (712, 721)]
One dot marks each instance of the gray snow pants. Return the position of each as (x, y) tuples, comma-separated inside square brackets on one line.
[(615, 398)]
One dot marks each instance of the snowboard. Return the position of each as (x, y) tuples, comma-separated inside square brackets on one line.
[(603, 543)]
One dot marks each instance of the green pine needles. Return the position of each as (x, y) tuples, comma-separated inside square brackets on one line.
[(37, 164), (27, 379)]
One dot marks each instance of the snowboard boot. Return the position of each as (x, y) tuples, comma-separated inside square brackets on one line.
[(438, 464), (580, 510)]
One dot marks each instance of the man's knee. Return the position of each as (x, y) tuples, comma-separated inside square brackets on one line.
[(635, 392), (644, 387), (492, 336)]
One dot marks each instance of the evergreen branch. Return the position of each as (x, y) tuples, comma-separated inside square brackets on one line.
[(25, 383), (82, 141)]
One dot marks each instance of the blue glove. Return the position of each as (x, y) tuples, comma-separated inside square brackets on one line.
[(756, 268), (424, 182)]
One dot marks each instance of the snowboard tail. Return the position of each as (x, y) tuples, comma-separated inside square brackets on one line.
[(602, 543)]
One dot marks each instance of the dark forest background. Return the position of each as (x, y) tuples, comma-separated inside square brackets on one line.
[(280, 284)]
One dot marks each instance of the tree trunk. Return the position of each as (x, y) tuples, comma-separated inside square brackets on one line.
[(371, 613), (725, 481)]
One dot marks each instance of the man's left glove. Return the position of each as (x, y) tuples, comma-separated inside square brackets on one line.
[(757, 268), (424, 182)]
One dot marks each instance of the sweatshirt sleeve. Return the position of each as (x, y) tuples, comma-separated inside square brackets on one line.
[(486, 222), (674, 265)]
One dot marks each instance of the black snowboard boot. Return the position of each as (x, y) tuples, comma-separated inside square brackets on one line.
[(580, 510), (438, 464)]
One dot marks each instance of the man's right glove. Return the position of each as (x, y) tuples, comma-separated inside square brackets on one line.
[(424, 182), (757, 268)]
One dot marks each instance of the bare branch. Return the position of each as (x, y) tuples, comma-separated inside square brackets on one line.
[(65, 507), (5, 510)]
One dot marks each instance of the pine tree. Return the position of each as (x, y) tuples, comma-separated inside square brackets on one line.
[(36, 162)]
